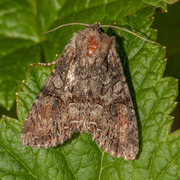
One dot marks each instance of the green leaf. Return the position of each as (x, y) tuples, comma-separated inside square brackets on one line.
[(144, 64)]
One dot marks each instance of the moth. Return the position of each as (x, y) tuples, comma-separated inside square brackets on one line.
[(86, 92)]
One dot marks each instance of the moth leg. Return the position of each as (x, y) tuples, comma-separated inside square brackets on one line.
[(45, 64)]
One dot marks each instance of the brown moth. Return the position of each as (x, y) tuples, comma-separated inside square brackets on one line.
[(86, 91)]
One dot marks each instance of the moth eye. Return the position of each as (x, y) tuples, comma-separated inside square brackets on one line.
[(92, 47)]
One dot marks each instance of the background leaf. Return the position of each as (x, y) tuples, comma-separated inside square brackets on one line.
[(144, 64), (22, 23)]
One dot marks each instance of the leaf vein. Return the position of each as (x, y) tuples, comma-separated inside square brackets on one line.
[(100, 170), (68, 163), (168, 165), (20, 161)]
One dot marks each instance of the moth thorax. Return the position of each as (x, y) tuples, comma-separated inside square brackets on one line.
[(92, 46)]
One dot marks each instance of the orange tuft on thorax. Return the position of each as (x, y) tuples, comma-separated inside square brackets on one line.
[(92, 47)]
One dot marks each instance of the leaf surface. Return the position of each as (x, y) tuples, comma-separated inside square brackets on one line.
[(153, 95)]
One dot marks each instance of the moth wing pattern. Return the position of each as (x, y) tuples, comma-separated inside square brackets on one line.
[(86, 91), (46, 124), (114, 125)]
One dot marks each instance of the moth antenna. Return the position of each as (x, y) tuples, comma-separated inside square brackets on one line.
[(131, 33), (84, 24), (63, 25)]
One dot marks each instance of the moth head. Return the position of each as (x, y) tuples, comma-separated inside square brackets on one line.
[(94, 44)]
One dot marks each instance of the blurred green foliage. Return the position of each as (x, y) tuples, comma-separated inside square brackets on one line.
[(168, 26)]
